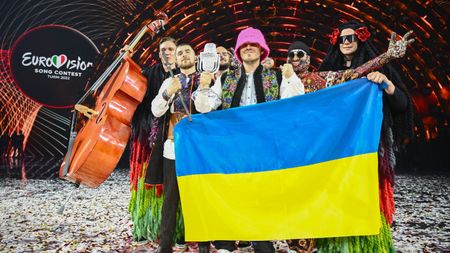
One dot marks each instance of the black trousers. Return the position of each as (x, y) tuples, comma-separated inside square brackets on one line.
[(258, 246), (169, 207), (203, 246)]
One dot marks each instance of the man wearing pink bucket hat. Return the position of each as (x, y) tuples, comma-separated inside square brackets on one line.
[(252, 84)]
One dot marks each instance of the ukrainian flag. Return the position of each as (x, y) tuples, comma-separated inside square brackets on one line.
[(303, 167)]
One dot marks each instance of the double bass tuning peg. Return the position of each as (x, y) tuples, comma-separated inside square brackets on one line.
[(155, 26)]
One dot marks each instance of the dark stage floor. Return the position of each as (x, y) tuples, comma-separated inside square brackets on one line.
[(96, 220)]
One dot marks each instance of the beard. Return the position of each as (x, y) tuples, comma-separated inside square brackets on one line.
[(186, 64), (303, 66), (224, 66)]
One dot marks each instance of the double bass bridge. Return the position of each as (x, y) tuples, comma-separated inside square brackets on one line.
[(86, 111)]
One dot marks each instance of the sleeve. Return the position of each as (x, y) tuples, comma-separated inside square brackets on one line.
[(161, 103), (340, 76), (398, 100), (292, 86), (207, 100)]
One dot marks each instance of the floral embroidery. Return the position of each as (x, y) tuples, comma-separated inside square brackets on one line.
[(312, 81), (186, 89), (269, 82)]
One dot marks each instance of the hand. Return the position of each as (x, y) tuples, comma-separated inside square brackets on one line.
[(287, 70), (378, 77), (205, 80), (397, 48), (174, 86)]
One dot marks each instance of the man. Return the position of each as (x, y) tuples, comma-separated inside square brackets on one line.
[(168, 101), (299, 57), (3, 144), (225, 61), (146, 140), (20, 140), (253, 84)]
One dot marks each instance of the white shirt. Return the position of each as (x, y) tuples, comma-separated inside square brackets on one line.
[(292, 86), (160, 107), (249, 93)]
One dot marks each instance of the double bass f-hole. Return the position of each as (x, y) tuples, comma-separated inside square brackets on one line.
[(101, 115)]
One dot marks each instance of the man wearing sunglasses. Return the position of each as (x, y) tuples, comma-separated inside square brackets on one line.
[(299, 58)]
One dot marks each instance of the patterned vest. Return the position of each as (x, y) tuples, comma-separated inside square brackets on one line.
[(269, 83), (186, 90), (312, 81)]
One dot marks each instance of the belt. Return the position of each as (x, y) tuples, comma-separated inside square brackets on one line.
[(174, 119)]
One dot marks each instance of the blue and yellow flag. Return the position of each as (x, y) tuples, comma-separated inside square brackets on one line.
[(303, 167)]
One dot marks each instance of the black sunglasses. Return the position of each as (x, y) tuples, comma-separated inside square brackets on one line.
[(298, 52), (351, 38)]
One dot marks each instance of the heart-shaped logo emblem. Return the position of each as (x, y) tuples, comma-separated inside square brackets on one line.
[(59, 60)]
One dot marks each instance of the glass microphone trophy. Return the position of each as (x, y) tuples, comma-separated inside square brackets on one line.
[(208, 60)]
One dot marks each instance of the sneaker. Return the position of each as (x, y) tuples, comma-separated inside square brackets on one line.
[(203, 248), (245, 249), (180, 247), (281, 246), (223, 251), (303, 245)]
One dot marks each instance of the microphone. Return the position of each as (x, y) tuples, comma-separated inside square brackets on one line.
[(208, 60)]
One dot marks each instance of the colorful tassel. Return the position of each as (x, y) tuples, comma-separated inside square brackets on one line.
[(381, 243)]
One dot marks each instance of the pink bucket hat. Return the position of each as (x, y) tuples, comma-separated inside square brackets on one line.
[(251, 35)]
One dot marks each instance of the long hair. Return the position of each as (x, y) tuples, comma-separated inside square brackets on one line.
[(334, 60), (401, 123)]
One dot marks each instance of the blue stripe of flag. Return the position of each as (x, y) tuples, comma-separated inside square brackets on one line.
[(341, 121)]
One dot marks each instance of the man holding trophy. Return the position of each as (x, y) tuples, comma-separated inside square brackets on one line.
[(173, 96)]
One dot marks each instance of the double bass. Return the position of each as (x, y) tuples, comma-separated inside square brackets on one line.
[(93, 152)]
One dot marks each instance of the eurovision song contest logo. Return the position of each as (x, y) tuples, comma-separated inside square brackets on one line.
[(51, 64)]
